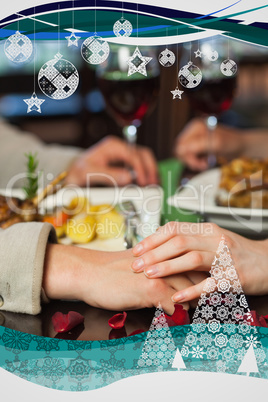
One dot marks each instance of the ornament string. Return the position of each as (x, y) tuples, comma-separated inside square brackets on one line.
[(58, 28), (34, 49), (137, 20), (177, 61), (73, 13), (95, 18)]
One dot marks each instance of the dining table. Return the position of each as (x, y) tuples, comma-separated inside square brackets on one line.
[(95, 325)]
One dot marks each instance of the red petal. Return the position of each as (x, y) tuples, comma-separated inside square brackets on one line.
[(258, 321), (118, 320), (65, 322), (138, 331), (117, 333), (179, 317)]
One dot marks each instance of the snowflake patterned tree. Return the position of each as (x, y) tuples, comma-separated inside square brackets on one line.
[(159, 348), (221, 331)]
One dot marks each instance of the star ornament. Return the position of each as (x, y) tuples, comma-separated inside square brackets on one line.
[(198, 53), (72, 39), (177, 93), (34, 103), (137, 63)]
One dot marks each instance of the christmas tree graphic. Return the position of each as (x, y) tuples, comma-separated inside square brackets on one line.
[(178, 362), (221, 334), (159, 348)]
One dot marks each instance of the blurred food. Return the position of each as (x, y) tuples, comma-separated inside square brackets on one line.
[(244, 184), (14, 210), (81, 222)]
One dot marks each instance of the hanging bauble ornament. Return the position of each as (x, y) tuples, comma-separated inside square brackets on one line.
[(58, 78), (95, 50), (190, 75), (18, 48), (212, 55), (122, 27), (166, 58), (228, 67)]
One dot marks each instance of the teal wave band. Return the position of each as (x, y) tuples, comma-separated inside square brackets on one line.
[(87, 365)]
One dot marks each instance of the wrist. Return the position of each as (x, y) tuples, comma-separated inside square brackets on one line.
[(62, 272)]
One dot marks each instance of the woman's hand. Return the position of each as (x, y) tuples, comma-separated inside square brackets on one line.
[(194, 143), (188, 247)]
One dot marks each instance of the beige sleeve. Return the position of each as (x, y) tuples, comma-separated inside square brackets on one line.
[(22, 253), (14, 143)]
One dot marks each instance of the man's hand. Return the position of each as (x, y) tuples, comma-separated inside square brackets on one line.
[(101, 159)]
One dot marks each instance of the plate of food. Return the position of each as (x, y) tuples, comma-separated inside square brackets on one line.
[(234, 196), (102, 218)]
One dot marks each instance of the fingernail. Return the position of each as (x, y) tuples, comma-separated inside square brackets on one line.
[(178, 297), (137, 249), (139, 263), (151, 271)]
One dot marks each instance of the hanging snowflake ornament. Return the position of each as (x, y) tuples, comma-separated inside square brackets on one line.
[(122, 27), (228, 67), (222, 323), (137, 63), (18, 48), (72, 39), (34, 104), (177, 93), (95, 50), (166, 58), (190, 75), (198, 53), (159, 348), (212, 55), (58, 78)]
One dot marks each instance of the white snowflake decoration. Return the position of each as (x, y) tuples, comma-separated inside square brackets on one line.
[(137, 63), (190, 75), (166, 58), (72, 39), (212, 55), (224, 308), (34, 104), (95, 50), (228, 67), (122, 27), (58, 78), (159, 347), (176, 93), (18, 48)]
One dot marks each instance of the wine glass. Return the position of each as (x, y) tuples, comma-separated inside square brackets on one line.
[(128, 97), (215, 92)]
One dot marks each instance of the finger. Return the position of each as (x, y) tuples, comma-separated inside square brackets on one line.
[(136, 162), (150, 165), (172, 229), (190, 293), (194, 260), (110, 175), (196, 162), (174, 247), (177, 283)]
